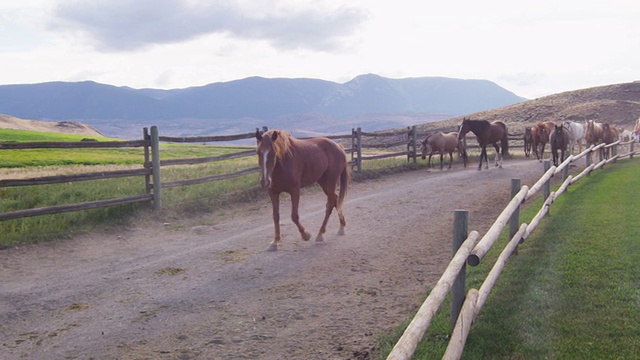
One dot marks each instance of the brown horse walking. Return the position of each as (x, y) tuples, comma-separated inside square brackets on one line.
[(540, 134), (288, 164), (593, 132), (609, 136), (487, 133), (439, 142)]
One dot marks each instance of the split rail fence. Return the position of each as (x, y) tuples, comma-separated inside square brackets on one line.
[(362, 146), (470, 248)]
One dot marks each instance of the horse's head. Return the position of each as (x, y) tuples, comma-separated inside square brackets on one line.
[(464, 128), (426, 148), (558, 136), (543, 132), (266, 152)]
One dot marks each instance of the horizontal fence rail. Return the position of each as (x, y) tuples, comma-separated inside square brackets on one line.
[(354, 144)]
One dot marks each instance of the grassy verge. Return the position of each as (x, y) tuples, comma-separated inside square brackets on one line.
[(572, 292)]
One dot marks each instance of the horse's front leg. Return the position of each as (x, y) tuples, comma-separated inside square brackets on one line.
[(441, 158), (295, 201), (483, 155), (275, 205)]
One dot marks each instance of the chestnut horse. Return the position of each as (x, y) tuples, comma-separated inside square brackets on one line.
[(439, 142), (487, 133), (609, 136), (541, 132), (288, 164), (528, 141), (593, 132), (559, 139)]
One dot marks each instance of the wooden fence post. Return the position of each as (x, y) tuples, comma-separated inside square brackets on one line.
[(412, 145), (359, 150), (588, 161), (514, 222), (631, 149), (353, 146), (458, 289), (547, 184), (147, 163), (155, 167)]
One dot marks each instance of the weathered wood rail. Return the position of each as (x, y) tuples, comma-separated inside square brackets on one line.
[(357, 143), (472, 249)]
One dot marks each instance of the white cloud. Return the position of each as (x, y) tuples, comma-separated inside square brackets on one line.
[(134, 25), (531, 49)]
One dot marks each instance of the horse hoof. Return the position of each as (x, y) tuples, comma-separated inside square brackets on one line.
[(272, 247), (341, 231), (319, 238), (306, 236)]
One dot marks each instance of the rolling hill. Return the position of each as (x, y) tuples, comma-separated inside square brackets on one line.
[(369, 101), (617, 104)]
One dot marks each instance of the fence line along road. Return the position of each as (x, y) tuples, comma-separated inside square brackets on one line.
[(465, 310), (151, 164)]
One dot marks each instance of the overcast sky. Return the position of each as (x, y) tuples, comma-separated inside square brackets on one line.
[(532, 48)]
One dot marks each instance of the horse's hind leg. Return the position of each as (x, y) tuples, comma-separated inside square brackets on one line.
[(498, 156), (332, 202), (295, 201)]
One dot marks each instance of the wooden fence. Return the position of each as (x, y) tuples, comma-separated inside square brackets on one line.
[(357, 143), (470, 249)]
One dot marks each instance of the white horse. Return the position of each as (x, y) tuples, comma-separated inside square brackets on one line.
[(636, 130), (576, 134), (626, 135)]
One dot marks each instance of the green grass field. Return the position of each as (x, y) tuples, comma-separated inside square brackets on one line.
[(573, 290)]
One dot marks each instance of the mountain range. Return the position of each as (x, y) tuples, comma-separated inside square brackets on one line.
[(298, 105)]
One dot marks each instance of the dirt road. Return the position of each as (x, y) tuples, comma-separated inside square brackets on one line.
[(206, 289)]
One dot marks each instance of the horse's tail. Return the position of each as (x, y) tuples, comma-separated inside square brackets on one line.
[(345, 179), (504, 144)]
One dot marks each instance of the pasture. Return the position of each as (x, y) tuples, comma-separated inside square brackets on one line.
[(572, 291)]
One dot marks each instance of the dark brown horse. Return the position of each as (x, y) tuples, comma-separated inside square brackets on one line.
[(487, 133), (528, 141), (540, 134), (559, 140), (288, 164), (441, 143)]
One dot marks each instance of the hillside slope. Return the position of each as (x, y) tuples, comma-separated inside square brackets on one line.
[(617, 104), (67, 127)]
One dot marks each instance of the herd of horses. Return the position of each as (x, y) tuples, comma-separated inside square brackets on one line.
[(563, 138), (288, 164)]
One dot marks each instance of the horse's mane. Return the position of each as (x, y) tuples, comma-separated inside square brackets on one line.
[(282, 144)]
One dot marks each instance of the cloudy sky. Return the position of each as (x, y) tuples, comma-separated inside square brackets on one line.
[(533, 48)]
